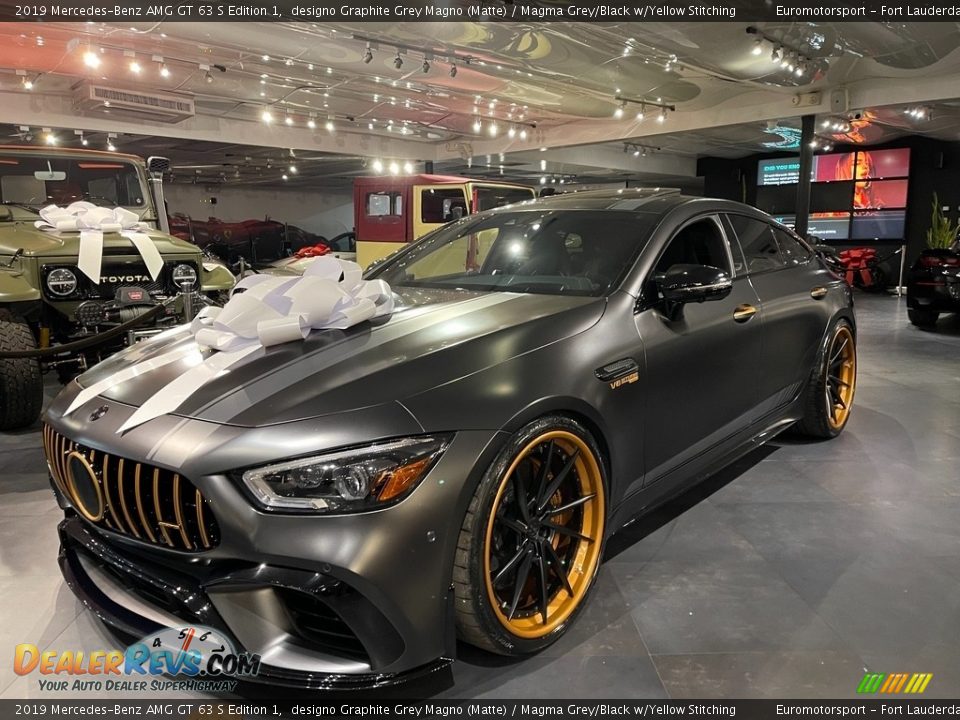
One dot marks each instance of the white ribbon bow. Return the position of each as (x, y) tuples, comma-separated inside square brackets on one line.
[(92, 221), (263, 311)]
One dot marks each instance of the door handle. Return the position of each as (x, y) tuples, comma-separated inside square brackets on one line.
[(742, 313), (818, 293)]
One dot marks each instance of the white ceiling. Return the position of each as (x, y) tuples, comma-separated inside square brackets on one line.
[(555, 83)]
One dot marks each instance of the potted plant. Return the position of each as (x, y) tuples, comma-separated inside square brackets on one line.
[(942, 233)]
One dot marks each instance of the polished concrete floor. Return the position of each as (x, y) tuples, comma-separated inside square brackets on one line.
[(788, 575)]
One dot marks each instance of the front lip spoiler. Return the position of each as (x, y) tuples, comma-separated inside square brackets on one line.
[(75, 538)]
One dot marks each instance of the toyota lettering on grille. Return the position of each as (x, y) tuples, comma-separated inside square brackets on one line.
[(113, 279)]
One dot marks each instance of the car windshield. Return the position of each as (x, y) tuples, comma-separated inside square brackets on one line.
[(35, 182), (570, 252)]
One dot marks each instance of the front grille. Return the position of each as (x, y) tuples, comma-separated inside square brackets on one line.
[(318, 624), (141, 501), (89, 290)]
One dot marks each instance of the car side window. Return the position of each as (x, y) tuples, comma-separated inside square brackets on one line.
[(792, 250), (759, 245), (699, 243)]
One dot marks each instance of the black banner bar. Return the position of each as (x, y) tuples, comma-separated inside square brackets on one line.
[(359, 709), (482, 11)]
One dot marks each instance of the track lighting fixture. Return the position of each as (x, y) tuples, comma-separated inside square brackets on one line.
[(662, 117), (426, 66), (757, 46), (777, 53), (368, 55), (618, 113), (453, 70), (312, 124), (398, 61), (477, 125), (91, 58)]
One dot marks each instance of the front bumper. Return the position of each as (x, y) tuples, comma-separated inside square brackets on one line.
[(337, 601)]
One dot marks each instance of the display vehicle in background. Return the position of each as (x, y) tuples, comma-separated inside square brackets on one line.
[(391, 211), (348, 504), (46, 301), (933, 285)]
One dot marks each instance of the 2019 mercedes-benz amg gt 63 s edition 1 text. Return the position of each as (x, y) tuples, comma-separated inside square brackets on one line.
[(347, 504)]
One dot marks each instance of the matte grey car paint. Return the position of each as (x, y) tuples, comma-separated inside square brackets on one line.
[(479, 365)]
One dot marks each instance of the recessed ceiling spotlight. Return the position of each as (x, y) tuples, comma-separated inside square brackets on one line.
[(91, 59)]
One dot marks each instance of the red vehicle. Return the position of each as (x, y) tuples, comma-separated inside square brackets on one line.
[(392, 211)]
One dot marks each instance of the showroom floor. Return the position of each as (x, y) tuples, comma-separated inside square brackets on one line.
[(786, 576)]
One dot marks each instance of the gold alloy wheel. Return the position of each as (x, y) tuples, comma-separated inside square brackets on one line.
[(544, 534), (841, 380)]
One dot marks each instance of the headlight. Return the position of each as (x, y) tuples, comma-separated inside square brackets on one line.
[(349, 480), (183, 274), (61, 282)]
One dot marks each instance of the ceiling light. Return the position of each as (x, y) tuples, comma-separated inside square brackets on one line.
[(285, 176), (523, 134), (267, 116), (312, 124), (27, 84), (288, 120), (293, 169), (776, 53), (477, 125), (618, 113), (512, 132), (368, 55), (642, 113), (453, 69), (543, 180), (426, 66), (91, 59), (398, 61), (265, 58), (757, 46), (329, 126), (207, 77), (814, 144), (84, 141), (110, 146), (662, 117), (51, 139), (164, 71), (636, 152), (135, 67), (377, 166), (493, 129), (408, 168), (543, 164), (394, 168)]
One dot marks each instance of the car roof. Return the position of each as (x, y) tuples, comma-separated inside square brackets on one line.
[(656, 201)]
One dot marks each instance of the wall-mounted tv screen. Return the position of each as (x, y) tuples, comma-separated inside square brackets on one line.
[(878, 225), (830, 168), (777, 199), (831, 197), (826, 226), (883, 163), (877, 194), (784, 171)]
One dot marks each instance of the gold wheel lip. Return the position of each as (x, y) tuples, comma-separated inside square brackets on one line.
[(838, 415), (529, 628), (71, 486)]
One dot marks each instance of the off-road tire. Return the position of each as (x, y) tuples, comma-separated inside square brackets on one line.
[(21, 384), (818, 420), (477, 621)]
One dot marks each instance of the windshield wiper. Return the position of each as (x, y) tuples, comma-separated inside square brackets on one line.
[(22, 206)]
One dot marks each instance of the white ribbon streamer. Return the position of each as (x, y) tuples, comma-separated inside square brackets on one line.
[(92, 221), (263, 311)]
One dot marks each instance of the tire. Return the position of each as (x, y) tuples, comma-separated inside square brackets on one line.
[(923, 317), (21, 384), (495, 610), (828, 397)]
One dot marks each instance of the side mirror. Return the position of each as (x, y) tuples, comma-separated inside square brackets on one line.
[(683, 284)]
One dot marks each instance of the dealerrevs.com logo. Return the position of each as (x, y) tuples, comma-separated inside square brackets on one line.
[(202, 655)]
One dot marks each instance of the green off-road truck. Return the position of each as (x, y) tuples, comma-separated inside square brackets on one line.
[(55, 317)]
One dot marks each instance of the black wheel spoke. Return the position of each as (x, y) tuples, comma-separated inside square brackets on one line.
[(522, 574), (838, 381), (544, 471), (514, 525), (564, 530), (558, 567), (570, 505), (558, 480), (542, 581), (511, 563), (520, 488)]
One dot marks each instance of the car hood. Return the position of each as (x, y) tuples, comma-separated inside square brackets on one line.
[(23, 235), (435, 337)]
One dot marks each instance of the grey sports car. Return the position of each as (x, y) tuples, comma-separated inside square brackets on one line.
[(348, 505)]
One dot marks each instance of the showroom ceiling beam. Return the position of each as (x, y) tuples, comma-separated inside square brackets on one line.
[(57, 112)]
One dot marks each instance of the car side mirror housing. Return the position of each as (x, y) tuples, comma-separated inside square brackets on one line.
[(683, 284)]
